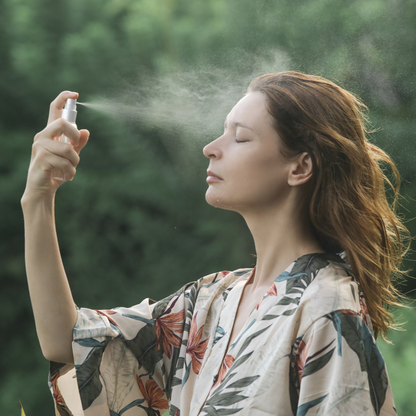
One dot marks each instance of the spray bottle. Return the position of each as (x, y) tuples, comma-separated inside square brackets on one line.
[(69, 113)]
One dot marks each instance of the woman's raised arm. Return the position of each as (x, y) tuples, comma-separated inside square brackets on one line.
[(52, 302)]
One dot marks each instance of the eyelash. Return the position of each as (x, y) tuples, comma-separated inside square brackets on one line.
[(236, 140)]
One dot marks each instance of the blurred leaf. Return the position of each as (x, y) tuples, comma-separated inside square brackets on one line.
[(22, 411)]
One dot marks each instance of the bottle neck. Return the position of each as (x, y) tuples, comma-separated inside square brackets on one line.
[(69, 115)]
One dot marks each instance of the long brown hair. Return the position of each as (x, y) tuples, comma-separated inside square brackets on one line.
[(349, 209)]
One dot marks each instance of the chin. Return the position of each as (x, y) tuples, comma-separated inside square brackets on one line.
[(211, 200), (218, 201), (214, 199)]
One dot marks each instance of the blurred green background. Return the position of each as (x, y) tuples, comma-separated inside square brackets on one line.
[(134, 223)]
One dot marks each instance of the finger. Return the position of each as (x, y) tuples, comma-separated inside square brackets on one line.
[(51, 163), (55, 163), (57, 128), (58, 104), (45, 149), (83, 140)]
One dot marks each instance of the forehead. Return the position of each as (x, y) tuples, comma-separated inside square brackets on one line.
[(251, 112)]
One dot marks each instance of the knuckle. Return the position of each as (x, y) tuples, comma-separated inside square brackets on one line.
[(61, 122), (52, 105), (36, 146), (67, 149)]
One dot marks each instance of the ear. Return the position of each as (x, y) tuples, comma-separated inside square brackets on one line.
[(301, 170)]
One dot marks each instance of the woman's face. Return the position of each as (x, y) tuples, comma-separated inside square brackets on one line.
[(246, 172)]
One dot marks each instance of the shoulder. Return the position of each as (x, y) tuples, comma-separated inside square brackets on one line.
[(334, 288)]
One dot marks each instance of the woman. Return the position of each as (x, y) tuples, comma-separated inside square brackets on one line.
[(290, 337)]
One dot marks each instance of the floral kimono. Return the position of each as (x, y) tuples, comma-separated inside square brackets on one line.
[(306, 349)]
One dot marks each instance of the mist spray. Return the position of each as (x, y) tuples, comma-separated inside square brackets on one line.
[(69, 113)]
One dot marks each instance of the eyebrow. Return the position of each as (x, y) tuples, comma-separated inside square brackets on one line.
[(238, 125)]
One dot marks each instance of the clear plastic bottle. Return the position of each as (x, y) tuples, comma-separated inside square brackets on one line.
[(69, 113)]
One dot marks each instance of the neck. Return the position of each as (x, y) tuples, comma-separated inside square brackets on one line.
[(280, 237)]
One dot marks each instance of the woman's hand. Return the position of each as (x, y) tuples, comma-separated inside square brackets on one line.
[(49, 154)]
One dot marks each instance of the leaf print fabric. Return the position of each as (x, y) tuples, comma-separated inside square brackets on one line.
[(153, 394), (196, 348), (166, 326), (306, 349), (227, 363)]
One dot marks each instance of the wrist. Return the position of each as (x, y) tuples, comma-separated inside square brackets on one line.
[(31, 199)]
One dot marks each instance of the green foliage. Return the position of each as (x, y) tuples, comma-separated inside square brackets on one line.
[(136, 209), (400, 357)]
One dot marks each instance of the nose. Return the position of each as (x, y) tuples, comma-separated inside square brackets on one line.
[(212, 150)]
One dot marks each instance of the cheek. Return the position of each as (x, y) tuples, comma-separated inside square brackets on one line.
[(263, 171), (265, 179)]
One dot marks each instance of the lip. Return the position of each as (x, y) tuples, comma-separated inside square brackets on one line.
[(212, 177)]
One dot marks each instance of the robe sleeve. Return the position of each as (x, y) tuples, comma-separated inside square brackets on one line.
[(339, 370), (124, 359)]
